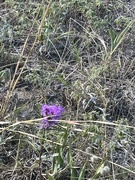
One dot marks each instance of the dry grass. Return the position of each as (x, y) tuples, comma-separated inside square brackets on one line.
[(81, 56)]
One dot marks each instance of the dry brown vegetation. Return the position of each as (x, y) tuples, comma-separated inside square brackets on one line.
[(80, 55)]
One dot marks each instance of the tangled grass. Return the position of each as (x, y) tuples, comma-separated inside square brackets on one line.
[(78, 55)]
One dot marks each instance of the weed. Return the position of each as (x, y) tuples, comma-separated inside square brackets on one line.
[(80, 55)]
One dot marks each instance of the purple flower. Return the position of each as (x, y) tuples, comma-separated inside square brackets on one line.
[(50, 112)]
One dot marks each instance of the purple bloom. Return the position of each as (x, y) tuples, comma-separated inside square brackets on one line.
[(52, 113)]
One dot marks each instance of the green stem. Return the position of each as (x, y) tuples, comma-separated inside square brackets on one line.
[(40, 155)]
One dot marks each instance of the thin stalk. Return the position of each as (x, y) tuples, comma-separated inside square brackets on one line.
[(40, 155)]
